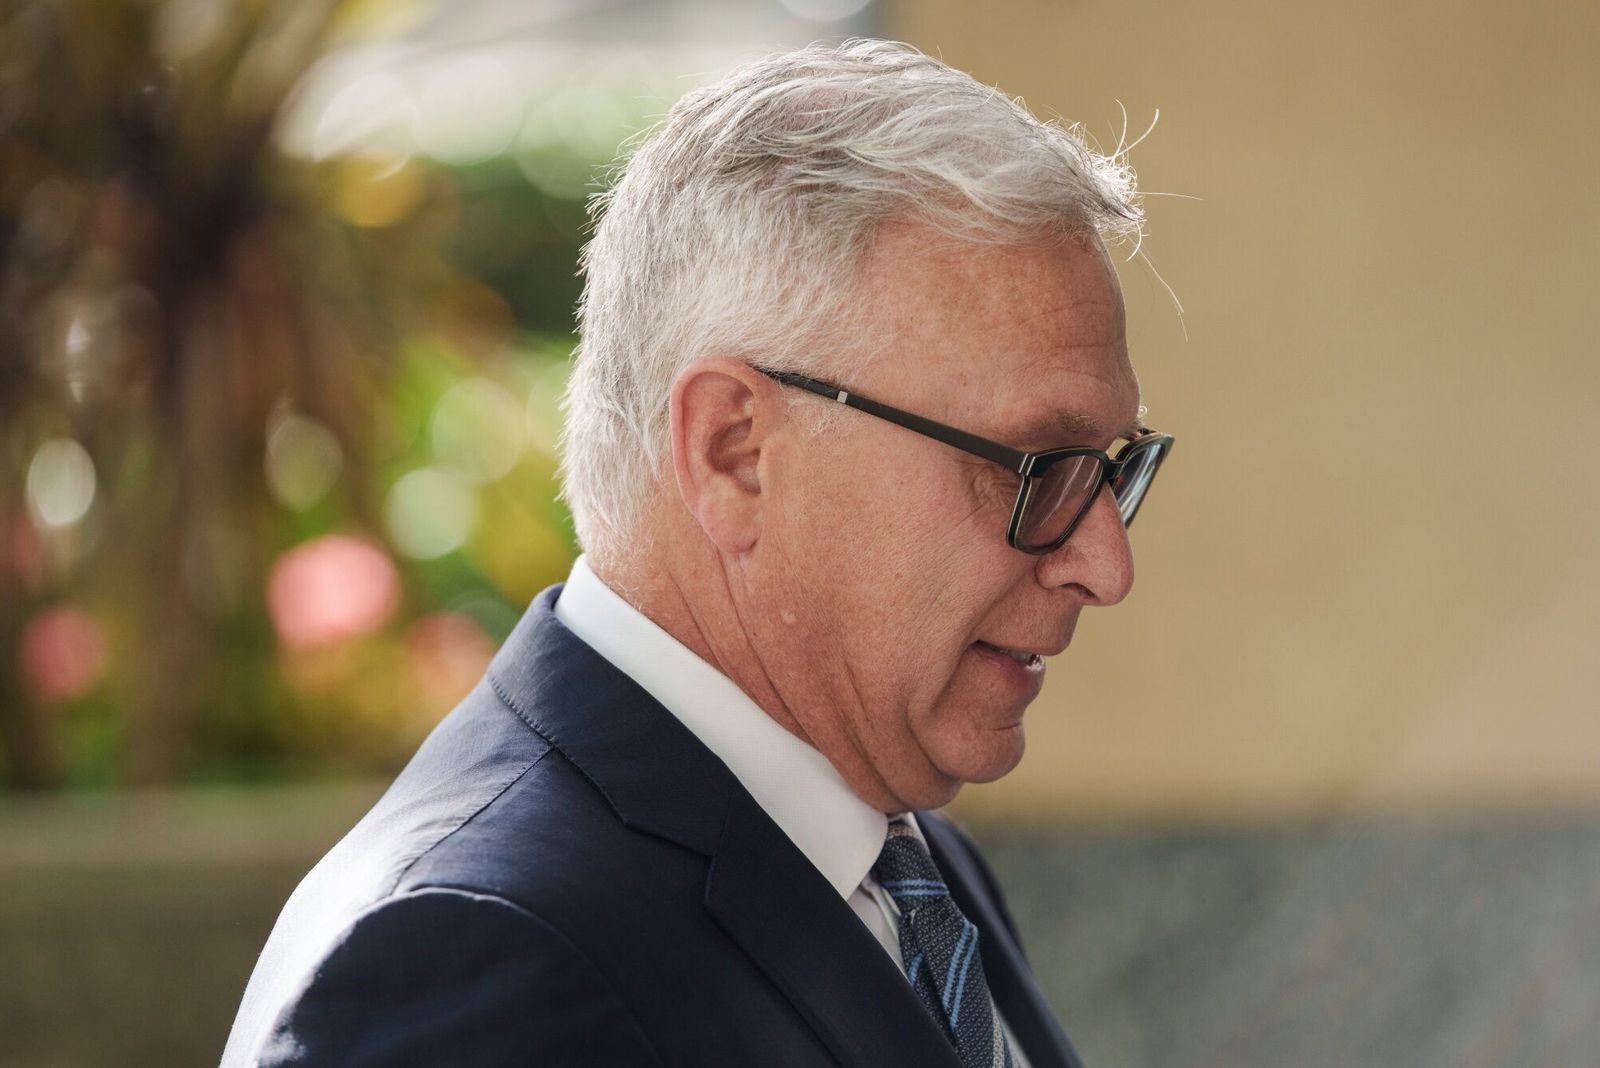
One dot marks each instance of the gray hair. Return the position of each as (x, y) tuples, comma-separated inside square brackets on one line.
[(737, 226)]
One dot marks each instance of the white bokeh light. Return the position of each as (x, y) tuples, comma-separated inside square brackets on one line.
[(470, 111), (374, 115), (183, 28), (826, 10), (479, 430), (303, 460), (430, 512), (567, 136), (61, 483)]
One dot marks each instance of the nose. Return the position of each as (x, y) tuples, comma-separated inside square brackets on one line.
[(1097, 558)]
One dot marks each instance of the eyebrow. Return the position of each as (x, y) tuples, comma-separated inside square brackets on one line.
[(1077, 426)]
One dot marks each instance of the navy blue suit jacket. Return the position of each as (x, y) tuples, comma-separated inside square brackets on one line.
[(565, 875)]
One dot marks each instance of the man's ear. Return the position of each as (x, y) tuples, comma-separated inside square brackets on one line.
[(723, 415)]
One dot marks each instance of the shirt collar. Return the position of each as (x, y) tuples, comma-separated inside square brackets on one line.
[(795, 784)]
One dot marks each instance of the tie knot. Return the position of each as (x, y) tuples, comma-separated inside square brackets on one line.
[(906, 870)]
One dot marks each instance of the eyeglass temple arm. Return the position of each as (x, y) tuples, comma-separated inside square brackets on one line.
[(1013, 459)]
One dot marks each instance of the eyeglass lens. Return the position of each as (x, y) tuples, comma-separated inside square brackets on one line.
[(1065, 491), (1131, 482), (1056, 499)]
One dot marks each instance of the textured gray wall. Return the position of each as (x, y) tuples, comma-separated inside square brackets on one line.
[(1410, 945)]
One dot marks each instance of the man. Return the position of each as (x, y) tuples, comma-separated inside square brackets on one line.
[(685, 819)]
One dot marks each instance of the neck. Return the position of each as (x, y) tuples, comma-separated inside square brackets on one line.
[(688, 589), (709, 601)]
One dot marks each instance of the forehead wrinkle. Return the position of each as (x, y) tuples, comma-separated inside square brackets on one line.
[(1084, 323)]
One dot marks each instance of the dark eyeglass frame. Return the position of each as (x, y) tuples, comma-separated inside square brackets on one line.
[(1032, 466)]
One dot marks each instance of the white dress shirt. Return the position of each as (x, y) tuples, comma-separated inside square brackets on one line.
[(793, 783)]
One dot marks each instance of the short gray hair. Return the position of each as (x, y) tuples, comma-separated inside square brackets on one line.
[(738, 223)]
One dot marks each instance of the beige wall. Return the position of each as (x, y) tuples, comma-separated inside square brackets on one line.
[(1370, 577)]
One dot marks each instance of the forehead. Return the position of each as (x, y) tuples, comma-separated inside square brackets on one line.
[(1026, 342)]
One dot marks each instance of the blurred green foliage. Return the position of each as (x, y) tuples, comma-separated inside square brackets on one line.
[(277, 436)]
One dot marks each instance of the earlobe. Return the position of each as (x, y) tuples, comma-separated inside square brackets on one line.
[(718, 424)]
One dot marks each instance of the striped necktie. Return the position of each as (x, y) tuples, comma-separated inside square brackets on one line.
[(940, 949)]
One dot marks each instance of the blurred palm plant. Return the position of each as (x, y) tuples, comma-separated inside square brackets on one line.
[(195, 335)]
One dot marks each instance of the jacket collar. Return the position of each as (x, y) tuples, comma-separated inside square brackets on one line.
[(651, 770)]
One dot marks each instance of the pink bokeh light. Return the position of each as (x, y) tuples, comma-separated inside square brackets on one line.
[(449, 653), (331, 589), (63, 652)]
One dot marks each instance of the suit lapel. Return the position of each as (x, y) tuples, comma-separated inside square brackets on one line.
[(1010, 980), (794, 925), (661, 780)]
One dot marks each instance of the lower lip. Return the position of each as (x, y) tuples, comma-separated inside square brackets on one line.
[(1025, 679)]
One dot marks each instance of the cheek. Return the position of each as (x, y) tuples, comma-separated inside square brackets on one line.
[(893, 561), (861, 517)]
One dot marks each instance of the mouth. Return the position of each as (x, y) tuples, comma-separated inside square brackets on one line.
[(1032, 661)]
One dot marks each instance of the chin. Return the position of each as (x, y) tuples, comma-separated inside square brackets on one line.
[(959, 743), (993, 755), (931, 796)]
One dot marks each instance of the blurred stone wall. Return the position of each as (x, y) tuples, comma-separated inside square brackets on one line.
[(129, 923)]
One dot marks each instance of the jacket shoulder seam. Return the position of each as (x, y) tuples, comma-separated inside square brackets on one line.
[(497, 792), (527, 721)]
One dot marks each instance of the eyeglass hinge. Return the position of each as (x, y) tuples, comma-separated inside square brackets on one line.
[(843, 396)]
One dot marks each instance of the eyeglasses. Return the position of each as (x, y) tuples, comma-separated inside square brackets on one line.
[(1058, 485)]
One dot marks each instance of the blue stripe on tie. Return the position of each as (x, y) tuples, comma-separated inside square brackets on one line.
[(906, 872), (939, 883), (961, 983), (955, 958)]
